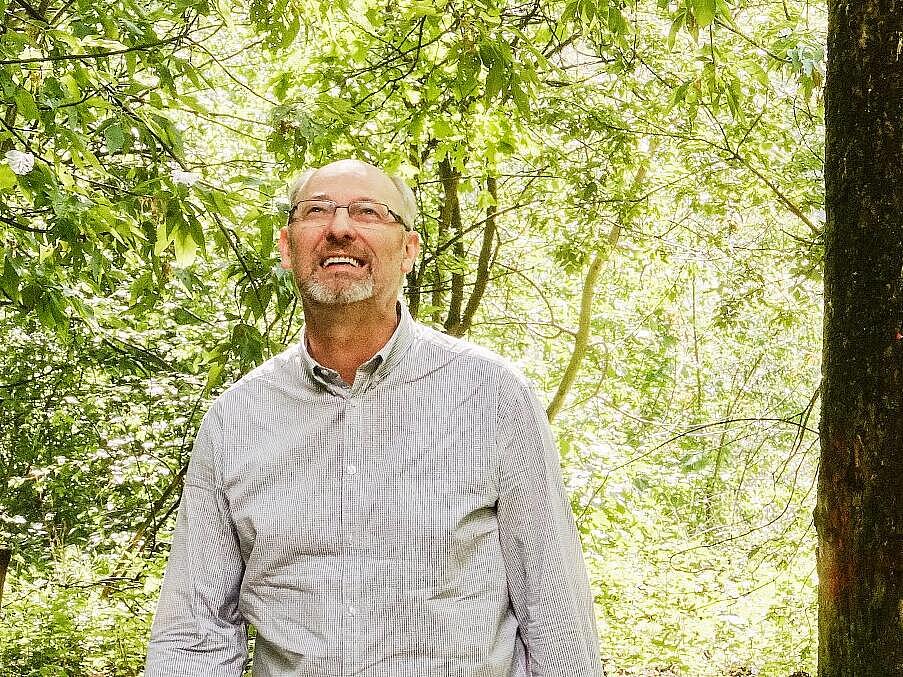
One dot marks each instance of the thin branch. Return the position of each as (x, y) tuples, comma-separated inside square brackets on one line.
[(229, 74), (581, 341), (32, 12), (97, 55), (722, 24), (796, 211), (674, 438), (12, 222)]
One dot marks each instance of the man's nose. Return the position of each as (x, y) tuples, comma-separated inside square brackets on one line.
[(340, 226)]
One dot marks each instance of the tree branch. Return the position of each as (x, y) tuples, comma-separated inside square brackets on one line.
[(31, 11), (483, 263), (15, 224), (796, 211), (582, 338), (98, 55), (451, 218)]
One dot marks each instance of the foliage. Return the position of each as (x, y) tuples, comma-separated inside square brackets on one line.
[(72, 624), (672, 145)]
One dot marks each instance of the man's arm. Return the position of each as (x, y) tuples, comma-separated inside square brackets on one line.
[(547, 578), (197, 629)]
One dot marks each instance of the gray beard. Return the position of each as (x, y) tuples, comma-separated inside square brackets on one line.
[(320, 293)]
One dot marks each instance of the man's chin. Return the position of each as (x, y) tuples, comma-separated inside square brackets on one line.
[(327, 295)]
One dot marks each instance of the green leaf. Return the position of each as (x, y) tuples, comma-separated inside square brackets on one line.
[(495, 79), (73, 91), (420, 9), (164, 238), (114, 137), (49, 308), (256, 300), (441, 129), (26, 105), (140, 286), (214, 378), (185, 246), (617, 22), (247, 343), (7, 177), (680, 94), (521, 99), (704, 11), (676, 25), (9, 281), (724, 11), (197, 232), (570, 11), (266, 223), (487, 54), (45, 314)]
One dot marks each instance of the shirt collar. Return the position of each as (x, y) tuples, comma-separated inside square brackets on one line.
[(377, 366)]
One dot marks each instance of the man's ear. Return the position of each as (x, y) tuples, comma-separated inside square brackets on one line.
[(285, 248), (411, 251)]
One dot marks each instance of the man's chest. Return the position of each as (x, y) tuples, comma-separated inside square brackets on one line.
[(393, 476)]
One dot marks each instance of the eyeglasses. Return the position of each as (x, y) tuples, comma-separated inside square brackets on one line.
[(362, 212)]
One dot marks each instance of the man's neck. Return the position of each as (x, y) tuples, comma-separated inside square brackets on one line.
[(344, 337)]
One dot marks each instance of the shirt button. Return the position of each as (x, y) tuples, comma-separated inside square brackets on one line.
[(352, 610), (351, 469)]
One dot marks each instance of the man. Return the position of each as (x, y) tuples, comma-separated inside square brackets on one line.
[(381, 499)]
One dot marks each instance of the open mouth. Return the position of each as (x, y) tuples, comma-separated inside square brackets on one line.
[(339, 261)]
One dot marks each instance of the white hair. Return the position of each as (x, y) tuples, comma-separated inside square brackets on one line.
[(407, 209), (321, 293)]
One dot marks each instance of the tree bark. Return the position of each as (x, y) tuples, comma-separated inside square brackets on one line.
[(859, 512), (5, 556)]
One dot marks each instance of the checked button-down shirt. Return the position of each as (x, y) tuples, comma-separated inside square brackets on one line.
[(413, 524)]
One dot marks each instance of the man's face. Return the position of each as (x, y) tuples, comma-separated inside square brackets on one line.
[(319, 256)]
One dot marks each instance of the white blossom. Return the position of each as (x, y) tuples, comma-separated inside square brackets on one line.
[(20, 162), (186, 178), (280, 204)]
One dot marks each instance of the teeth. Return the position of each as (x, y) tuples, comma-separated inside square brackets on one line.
[(341, 259)]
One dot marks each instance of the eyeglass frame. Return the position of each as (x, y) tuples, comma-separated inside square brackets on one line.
[(394, 215)]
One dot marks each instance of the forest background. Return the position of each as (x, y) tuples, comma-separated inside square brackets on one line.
[(623, 198)]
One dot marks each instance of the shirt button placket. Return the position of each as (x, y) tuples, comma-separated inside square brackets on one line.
[(352, 620)]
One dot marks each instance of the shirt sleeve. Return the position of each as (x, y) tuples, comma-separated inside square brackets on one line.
[(198, 630), (547, 579)]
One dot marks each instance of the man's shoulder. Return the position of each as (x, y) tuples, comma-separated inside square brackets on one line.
[(274, 375), (444, 350)]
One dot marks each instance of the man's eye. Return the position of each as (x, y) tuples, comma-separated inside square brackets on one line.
[(314, 210)]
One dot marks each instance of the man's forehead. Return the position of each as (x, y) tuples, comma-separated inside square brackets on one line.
[(349, 175)]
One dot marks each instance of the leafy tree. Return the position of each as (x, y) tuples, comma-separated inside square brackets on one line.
[(623, 198)]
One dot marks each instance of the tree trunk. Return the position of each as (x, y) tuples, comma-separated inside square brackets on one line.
[(859, 513), (5, 556)]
